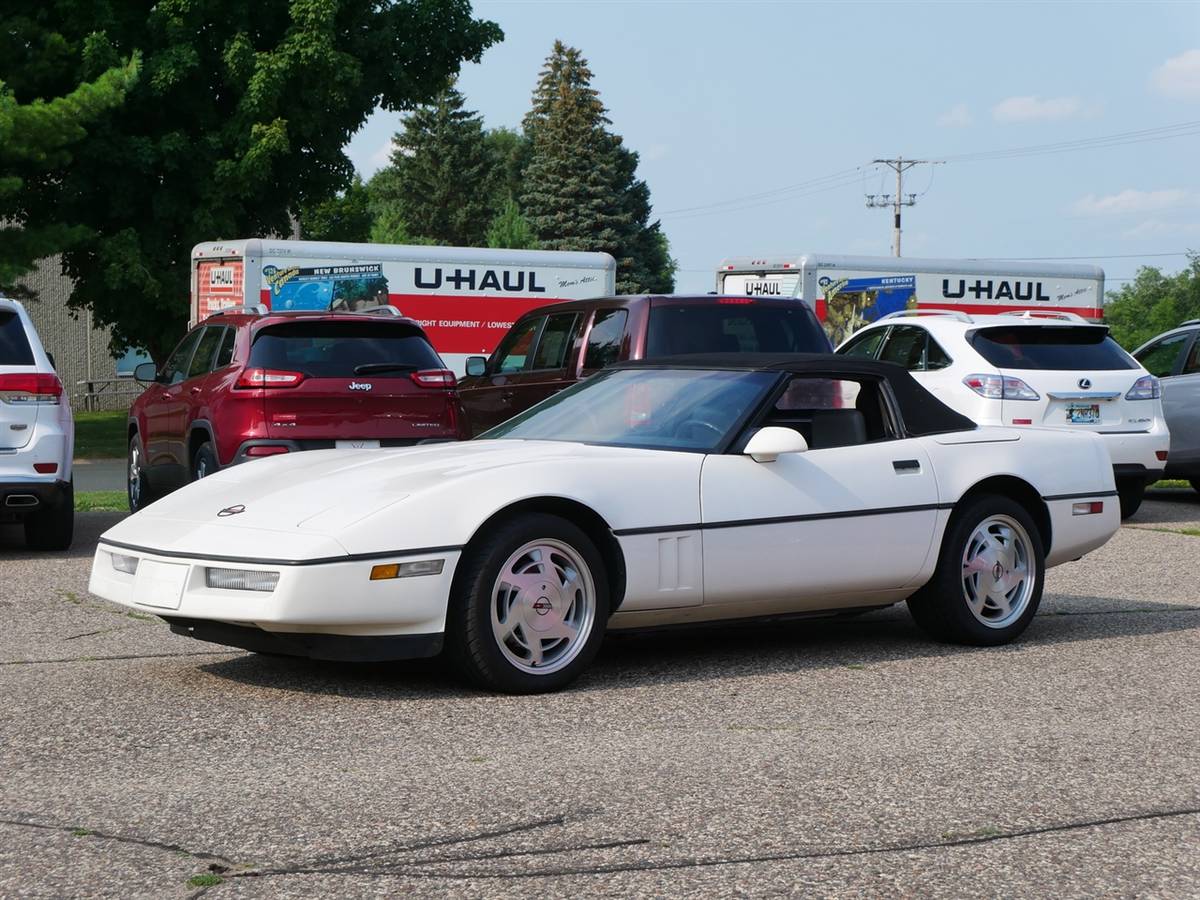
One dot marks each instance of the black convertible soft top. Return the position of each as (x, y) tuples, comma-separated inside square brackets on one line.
[(923, 413)]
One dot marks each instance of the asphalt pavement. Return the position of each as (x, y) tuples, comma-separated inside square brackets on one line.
[(99, 474), (848, 757)]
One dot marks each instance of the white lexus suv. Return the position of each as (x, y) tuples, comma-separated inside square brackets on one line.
[(37, 436), (1037, 369)]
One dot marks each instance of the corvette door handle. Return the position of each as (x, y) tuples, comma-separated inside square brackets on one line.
[(906, 465), (507, 395)]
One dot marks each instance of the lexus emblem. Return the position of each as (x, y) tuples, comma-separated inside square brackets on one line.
[(231, 511), (1085, 383)]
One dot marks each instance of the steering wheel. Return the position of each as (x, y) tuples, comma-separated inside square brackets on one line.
[(686, 427)]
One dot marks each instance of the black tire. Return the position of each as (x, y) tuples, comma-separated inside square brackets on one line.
[(137, 490), (204, 462), (471, 643), (941, 607), (52, 527), (1130, 491)]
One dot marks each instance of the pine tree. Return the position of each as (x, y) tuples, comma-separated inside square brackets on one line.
[(581, 189), (443, 173), (572, 198), (510, 229)]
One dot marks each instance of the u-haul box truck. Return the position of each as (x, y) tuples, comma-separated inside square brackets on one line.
[(464, 298), (849, 291)]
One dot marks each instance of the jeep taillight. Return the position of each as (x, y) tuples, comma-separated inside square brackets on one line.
[(268, 378), (31, 388), (434, 378)]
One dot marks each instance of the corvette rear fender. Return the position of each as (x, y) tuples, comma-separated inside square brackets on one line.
[(581, 515), (1023, 493)]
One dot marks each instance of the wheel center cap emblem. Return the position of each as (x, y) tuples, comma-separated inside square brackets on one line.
[(997, 571), (231, 511), (542, 606)]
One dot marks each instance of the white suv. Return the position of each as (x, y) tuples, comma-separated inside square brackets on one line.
[(37, 436), (1050, 370)]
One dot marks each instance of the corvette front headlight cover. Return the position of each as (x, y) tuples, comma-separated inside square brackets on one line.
[(241, 579)]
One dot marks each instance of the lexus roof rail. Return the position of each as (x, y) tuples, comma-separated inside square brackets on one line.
[(1189, 322), (1046, 314), (906, 313), (257, 309)]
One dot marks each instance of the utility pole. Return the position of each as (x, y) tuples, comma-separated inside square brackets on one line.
[(899, 165)]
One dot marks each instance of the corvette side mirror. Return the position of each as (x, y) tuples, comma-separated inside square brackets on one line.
[(768, 443), (476, 365)]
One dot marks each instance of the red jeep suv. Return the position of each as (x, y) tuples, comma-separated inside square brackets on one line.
[(246, 383)]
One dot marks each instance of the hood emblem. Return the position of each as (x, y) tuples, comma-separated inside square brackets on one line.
[(231, 511), (1085, 383)]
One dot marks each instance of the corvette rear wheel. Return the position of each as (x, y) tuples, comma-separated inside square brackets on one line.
[(988, 582), (529, 606)]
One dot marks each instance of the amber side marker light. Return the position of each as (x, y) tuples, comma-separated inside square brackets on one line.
[(1087, 509), (407, 570)]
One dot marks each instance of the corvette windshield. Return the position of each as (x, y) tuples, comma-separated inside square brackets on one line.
[(660, 409)]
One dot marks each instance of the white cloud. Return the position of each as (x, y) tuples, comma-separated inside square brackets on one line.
[(1179, 76), (382, 156), (1035, 109), (957, 116), (1133, 201)]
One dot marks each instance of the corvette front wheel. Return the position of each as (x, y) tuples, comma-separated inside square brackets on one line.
[(529, 606), (988, 583)]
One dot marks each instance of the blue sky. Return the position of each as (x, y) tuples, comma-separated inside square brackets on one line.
[(731, 100)]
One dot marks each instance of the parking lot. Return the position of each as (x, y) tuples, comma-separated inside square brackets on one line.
[(833, 757)]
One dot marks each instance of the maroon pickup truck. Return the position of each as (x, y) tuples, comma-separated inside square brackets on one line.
[(553, 347)]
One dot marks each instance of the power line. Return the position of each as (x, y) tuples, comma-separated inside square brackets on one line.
[(772, 193), (1141, 136), (835, 179)]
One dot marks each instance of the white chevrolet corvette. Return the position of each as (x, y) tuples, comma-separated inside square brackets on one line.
[(671, 491)]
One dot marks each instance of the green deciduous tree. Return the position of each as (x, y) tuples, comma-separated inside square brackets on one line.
[(36, 139), (238, 122), (1153, 303), (510, 229), (441, 179), (580, 186), (346, 217)]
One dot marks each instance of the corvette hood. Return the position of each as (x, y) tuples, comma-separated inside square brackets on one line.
[(313, 503)]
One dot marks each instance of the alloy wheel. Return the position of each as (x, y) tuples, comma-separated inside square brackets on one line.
[(543, 606), (998, 571)]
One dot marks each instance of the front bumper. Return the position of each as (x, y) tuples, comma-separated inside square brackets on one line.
[(310, 602), (336, 647)]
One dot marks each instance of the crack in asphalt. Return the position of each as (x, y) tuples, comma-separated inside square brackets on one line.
[(76, 659), (410, 870), (321, 862), (116, 838), (1116, 612), (420, 868)]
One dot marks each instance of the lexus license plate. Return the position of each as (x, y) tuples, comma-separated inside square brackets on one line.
[(1086, 414)]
